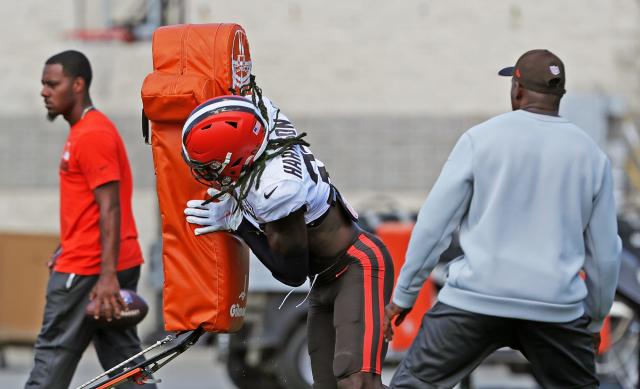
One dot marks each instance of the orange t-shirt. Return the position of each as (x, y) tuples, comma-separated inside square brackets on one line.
[(93, 155)]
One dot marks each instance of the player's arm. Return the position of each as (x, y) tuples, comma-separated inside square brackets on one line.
[(283, 248), (106, 292), (288, 240)]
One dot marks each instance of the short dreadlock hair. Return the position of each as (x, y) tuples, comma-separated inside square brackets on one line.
[(74, 64)]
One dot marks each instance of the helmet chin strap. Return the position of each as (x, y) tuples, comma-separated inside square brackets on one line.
[(227, 159), (223, 188)]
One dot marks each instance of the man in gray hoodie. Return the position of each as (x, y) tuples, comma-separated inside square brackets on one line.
[(532, 196)]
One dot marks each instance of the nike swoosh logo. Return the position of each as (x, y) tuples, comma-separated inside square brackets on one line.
[(267, 195)]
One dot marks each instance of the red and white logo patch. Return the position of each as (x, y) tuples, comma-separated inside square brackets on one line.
[(240, 60)]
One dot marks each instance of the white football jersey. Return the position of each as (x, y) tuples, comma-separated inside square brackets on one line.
[(290, 181)]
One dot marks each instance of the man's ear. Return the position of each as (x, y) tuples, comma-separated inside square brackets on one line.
[(517, 90), (79, 85)]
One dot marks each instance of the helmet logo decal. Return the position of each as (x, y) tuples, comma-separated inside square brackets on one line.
[(240, 60)]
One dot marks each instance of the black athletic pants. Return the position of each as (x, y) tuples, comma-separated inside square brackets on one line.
[(452, 342), (65, 333)]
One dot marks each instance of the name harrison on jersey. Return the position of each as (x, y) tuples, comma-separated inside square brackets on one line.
[(292, 163)]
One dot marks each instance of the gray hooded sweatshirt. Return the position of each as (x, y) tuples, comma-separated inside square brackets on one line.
[(533, 197)]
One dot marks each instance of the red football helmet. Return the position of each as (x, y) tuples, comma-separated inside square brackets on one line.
[(221, 138)]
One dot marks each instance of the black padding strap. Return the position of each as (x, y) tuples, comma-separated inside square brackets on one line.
[(145, 128)]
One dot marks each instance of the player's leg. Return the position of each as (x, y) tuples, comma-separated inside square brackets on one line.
[(451, 343), (321, 337), (115, 345), (363, 291), (65, 332), (561, 354)]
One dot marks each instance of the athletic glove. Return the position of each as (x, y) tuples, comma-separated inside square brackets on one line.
[(220, 215)]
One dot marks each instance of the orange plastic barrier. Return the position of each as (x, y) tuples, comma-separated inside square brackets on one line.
[(396, 237), (205, 278), (605, 336)]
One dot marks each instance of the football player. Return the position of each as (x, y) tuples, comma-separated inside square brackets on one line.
[(268, 188)]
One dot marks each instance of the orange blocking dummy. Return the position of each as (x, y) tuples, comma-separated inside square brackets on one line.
[(205, 277)]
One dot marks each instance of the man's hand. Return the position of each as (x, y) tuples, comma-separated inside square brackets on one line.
[(106, 293), (220, 215), (392, 311), (596, 342)]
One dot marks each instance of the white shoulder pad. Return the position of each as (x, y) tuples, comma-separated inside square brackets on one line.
[(277, 200)]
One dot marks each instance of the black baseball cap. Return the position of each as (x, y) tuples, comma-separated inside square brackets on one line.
[(538, 70)]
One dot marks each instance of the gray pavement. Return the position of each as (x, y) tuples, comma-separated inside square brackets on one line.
[(195, 369), (198, 368)]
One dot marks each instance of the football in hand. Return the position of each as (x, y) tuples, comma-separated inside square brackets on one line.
[(136, 310)]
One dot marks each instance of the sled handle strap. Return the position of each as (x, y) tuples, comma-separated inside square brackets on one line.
[(145, 127)]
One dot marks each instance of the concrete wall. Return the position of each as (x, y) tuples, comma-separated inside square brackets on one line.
[(357, 57), (384, 88), (437, 57)]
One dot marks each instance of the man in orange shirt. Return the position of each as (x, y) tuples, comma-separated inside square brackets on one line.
[(99, 251)]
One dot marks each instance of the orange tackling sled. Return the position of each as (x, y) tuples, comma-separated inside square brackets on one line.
[(205, 277)]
